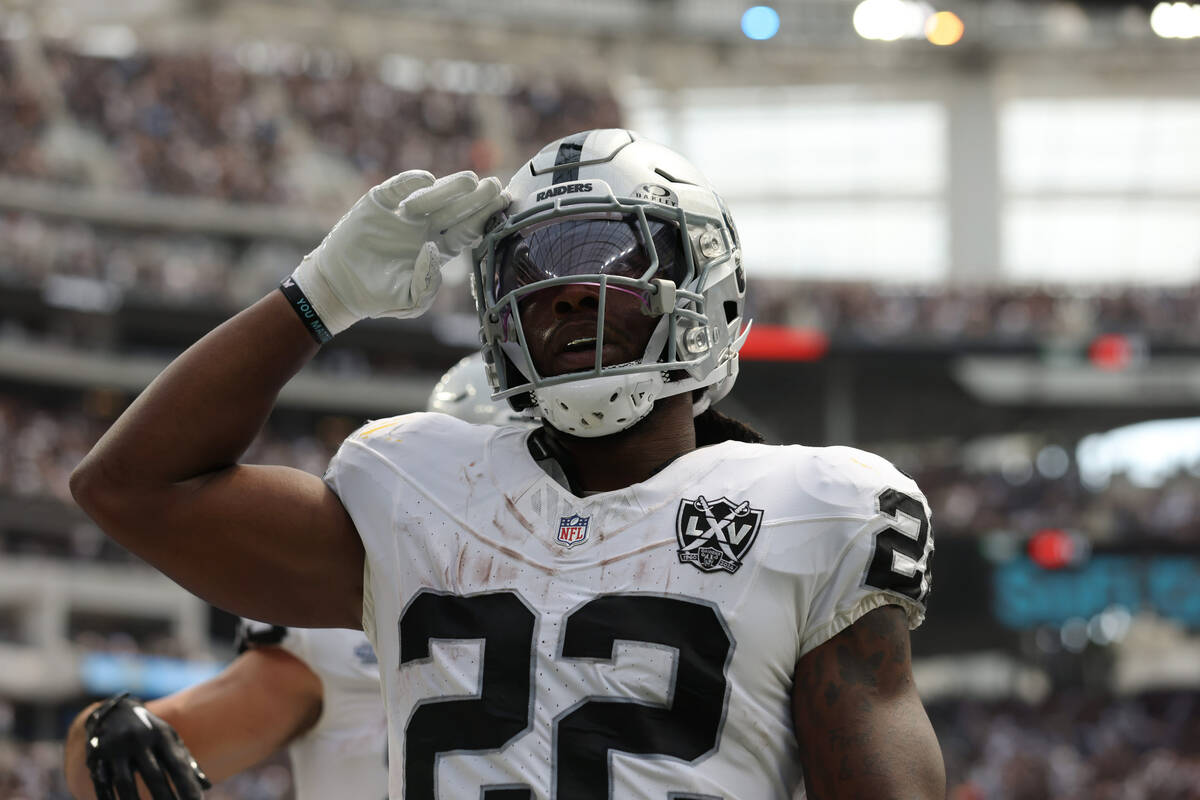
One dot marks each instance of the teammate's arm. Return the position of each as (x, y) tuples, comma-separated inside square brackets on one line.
[(862, 730), (264, 699), (269, 542)]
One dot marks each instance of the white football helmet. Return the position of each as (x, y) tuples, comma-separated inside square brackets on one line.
[(615, 211), (464, 392)]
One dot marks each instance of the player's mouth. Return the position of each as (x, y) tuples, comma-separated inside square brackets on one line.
[(580, 345), (579, 353)]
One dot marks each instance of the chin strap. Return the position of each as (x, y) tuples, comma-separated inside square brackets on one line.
[(594, 407)]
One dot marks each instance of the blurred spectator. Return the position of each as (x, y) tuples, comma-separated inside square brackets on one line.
[(33, 771), (974, 503), (180, 124), (21, 121), (875, 313), (247, 126), (39, 447), (1072, 747), (168, 268), (382, 130), (547, 109), (211, 270)]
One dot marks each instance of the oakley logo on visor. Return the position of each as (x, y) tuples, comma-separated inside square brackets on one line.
[(656, 193)]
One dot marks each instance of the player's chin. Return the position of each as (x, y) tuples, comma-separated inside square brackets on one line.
[(611, 438)]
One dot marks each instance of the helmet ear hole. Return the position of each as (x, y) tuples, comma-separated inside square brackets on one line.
[(731, 310), (519, 402)]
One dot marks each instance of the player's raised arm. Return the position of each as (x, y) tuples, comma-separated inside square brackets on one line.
[(270, 542), (861, 727)]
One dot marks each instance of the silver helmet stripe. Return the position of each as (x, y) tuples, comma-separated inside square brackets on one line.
[(570, 153)]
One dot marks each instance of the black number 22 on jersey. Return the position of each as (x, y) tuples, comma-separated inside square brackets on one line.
[(584, 733), (900, 563)]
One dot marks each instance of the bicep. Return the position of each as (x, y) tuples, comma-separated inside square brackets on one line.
[(860, 724), (264, 699), (265, 542)]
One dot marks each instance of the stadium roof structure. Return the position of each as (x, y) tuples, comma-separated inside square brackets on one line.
[(670, 43)]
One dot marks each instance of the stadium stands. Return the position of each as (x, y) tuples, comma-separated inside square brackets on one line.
[(148, 195)]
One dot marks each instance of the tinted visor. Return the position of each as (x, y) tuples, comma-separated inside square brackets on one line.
[(608, 245)]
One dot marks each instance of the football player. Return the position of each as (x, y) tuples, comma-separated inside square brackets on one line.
[(316, 690), (598, 608)]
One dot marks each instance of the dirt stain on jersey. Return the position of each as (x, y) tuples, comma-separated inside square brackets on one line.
[(469, 482), (462, 565), (512, 509), (634, 552), (516, 555), (505, 572), (483, 570)]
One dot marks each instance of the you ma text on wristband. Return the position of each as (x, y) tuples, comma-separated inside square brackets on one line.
[(304, 309)]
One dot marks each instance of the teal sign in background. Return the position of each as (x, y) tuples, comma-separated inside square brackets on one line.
[(145, 676), (1025, 595)]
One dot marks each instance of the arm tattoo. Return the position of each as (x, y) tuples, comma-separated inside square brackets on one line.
[(861, 728)]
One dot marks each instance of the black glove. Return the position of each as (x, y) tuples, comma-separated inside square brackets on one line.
[(124, 739)]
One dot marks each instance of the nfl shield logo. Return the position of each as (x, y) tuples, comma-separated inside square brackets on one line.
[(572, 530), (716, 534)]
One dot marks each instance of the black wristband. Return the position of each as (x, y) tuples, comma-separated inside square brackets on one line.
[(304, 309)]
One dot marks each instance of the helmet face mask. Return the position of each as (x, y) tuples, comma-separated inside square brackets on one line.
[(628, 224)]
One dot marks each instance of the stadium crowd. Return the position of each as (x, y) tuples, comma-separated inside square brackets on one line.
[(224, 125), (200, 124), (166, 269), (21, 121), (1072, 747), (33, 771), (976, 503), (215, 126), (39, 446), (878, 313), (224, 272)]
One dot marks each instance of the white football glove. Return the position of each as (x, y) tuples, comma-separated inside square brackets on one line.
[(384, 257)]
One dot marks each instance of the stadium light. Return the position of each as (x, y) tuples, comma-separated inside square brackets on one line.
[(1055, 548), (1175, 20), (1115, 352), (889, 20), (760, 22), (944, 28)]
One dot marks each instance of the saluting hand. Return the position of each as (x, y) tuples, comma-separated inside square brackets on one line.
[(384, 257)]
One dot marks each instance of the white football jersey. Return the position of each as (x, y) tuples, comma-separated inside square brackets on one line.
[(345, 753), (638, 643)]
